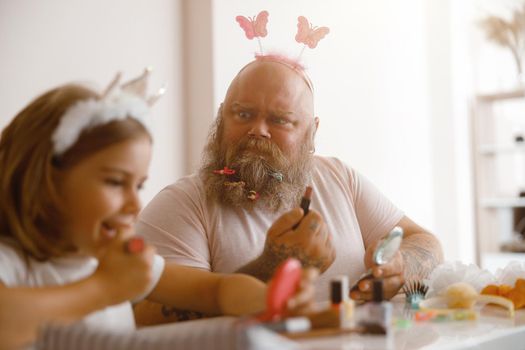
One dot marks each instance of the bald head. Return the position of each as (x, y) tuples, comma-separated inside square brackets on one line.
[(280, 81)]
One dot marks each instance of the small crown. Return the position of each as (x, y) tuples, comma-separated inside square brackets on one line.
[(137, 86), (117, 102)]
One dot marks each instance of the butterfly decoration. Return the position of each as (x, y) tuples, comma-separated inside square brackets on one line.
[(254, 27), (308, 34)]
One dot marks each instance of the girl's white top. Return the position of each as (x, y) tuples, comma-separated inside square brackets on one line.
[(14, 272)]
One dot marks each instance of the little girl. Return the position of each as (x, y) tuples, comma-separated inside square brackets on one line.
[(71, 166)]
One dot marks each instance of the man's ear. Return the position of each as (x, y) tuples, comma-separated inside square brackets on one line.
[(316, 121)]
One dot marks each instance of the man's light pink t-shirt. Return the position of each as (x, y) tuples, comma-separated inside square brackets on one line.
[(190, 230)]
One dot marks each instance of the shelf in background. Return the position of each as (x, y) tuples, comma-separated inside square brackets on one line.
[(503, 202), (499, 96), (491, 150)]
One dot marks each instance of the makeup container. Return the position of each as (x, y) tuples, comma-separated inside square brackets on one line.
[(289, 325), (376, 315), (305, 203), (341, 302)]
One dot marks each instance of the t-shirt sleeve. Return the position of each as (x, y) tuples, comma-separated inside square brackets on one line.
[(174, 223), (376, 214), (11, 266), (156, 271)]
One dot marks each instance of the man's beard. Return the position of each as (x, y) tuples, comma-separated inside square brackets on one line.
[(277, 180)]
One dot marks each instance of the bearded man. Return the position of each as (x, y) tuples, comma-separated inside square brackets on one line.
[(237, 213)]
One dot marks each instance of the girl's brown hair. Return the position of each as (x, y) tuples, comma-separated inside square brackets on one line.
[(30, 209)]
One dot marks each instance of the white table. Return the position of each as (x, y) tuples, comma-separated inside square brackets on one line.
[(493, 330)]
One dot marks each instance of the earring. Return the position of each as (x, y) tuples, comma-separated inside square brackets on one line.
[(312, 151)]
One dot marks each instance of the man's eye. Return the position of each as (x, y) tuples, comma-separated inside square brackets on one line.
[(280, 121), (244, 115)]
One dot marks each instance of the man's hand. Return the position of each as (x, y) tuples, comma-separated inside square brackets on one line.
[(419, 254), (310, 243), (392, 274)]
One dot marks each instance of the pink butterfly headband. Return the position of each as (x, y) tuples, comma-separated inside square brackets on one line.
[(288, 62), (307, 34)]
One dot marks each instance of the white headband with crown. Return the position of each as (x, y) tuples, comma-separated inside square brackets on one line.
[(116, 103)]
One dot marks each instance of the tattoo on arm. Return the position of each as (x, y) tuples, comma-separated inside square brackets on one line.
[(273, 255), (421, 254), (180, 315)]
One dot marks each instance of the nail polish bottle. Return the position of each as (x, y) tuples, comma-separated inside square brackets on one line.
[(376, 316), (341, 302)]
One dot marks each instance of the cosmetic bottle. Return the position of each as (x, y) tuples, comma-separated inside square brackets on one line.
[(341, 302), (289, 325), (376, 315)]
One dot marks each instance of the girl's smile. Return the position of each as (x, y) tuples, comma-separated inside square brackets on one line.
[(101, 193)]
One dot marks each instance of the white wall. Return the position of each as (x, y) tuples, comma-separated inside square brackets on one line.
[(47, 43), (392, 82), (198, 84), (369, 75)]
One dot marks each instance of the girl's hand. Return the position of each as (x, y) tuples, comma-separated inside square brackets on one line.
[(124, 275), (303, 300)]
